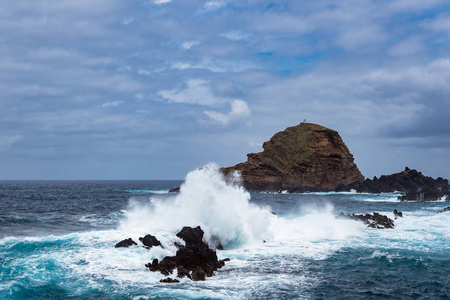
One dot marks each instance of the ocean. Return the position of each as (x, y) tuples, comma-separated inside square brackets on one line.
[(57, 242)]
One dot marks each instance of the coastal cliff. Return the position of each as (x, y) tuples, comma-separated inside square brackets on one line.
[(306, 157)]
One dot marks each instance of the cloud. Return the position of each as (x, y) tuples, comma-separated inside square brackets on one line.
[(235, 35), (214, 4), (112, 104), (159, 2), (377, 71), (7, 141), (216, 65), (409, 46), (197, 91), (239, 111), (189, 44)]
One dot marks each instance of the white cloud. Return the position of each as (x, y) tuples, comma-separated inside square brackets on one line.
[(408, 46), (197, 91), (128, 21), (214, 4), (7, 141), (441, 23), (159, 2), (216, 65), (189, 44), (112, 104), (235, 35), (239, 111)]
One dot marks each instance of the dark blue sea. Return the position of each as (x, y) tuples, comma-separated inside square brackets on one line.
[(57, 242)]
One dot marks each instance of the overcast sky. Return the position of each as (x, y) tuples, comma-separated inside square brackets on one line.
[(109, 89)]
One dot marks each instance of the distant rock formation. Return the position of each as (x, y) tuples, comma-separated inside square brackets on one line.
[(302, 158), (413, 184)]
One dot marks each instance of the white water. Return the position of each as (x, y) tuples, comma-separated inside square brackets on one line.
[(223, 210)]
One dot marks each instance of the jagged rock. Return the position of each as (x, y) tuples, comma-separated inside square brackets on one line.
[(412, 183), (125, 243), (222, 261), (398, 214), (191, 235), (445, 209), (175, 190), (169, 280), (375, 220), (150, 241), (198, 274), (195, 260), (303, 156)]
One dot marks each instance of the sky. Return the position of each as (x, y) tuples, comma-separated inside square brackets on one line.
[(111, 89)]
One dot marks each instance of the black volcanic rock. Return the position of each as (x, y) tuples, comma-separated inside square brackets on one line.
[(195, 260), (412, 183), (303, 157), (150, 241), (374, 220), (175, 190), (169, 280), (125, 243), (191, 235), (398, 214), (445, 209)]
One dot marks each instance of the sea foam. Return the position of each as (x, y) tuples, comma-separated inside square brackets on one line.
[(224, 211)]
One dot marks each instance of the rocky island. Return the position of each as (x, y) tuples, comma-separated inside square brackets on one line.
[(310, 158), (303, 158)]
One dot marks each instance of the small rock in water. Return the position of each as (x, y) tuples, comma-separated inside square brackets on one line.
[(375, 220), (169, 280), (150, 241), (175, 190), (125, 243), (445, 209), (398, 214)]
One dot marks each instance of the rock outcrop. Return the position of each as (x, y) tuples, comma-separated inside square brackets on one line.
[(374, 220), (412, 183), (306, 157), (444, 210), (150, 241), (125, 243), (195, 260)]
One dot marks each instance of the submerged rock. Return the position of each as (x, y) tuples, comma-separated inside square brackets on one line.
[(195, 260), (125, 243), (150, 241), (306, 157), (374, 220)]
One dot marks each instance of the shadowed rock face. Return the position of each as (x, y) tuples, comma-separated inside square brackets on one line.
[(412, 183), (306, 157)]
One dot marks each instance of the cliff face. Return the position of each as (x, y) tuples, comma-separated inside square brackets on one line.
[(301, 158)]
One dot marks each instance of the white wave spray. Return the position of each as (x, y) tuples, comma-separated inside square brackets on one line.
[(223, 209)]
